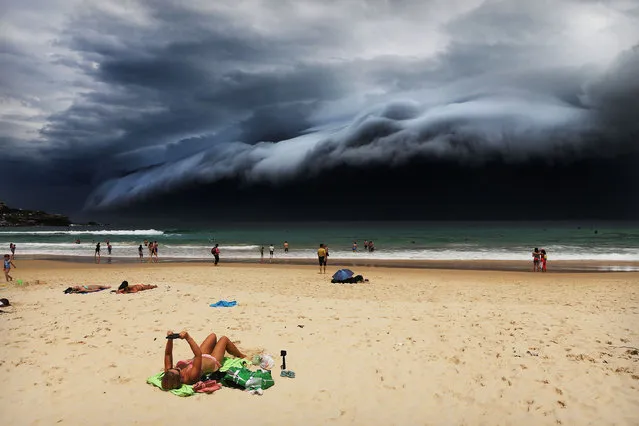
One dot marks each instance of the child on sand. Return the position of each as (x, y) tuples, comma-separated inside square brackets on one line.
[(544, 259), (8, 263)]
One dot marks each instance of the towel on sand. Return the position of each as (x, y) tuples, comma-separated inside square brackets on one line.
[(156, 380), (223, 304), (232, 362)]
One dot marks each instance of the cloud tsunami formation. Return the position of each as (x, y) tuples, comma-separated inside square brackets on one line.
[(158, 96)]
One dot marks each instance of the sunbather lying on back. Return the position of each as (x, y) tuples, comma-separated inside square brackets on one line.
[(86, 288), (126, 288), (206, 359)]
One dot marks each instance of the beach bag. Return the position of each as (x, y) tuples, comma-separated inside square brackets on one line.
[(246, 379)]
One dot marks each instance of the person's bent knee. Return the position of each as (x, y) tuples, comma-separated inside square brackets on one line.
[(224, 339)]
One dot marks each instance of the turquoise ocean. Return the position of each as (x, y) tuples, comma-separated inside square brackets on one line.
[(610, 241)]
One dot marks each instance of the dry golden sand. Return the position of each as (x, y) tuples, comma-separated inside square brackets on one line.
[(412, 347)]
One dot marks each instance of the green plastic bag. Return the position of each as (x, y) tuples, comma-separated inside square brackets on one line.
[(247, 379)]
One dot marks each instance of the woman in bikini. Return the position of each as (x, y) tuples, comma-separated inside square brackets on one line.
[(126, 288), (205, 359), (92, 288)]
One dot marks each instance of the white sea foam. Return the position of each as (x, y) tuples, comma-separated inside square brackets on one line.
[(87, 232), (190, 251)]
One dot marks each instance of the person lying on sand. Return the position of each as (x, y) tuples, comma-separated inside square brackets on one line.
[(86, 288), (206, 359), (126, 288)]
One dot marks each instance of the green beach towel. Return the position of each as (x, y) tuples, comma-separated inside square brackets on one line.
[(156, 380), (232, 362)]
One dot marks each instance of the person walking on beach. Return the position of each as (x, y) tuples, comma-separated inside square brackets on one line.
[(96, 255), (12, 247), (109, 247), (536, 255), (354, 246), (261, 254), (155, 251), (271, 250), (8, 263), (285, 246), (215, 251), (150, 247), (140, 253)]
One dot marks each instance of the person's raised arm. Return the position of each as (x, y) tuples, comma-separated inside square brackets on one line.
[(168, 353), (196, 370)]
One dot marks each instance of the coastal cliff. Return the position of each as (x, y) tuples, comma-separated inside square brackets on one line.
[(20, 217)]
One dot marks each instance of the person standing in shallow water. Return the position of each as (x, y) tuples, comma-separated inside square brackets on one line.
[(261, 254), (141, 253), (544, 259), (536, 255), (285, 246), (96, 256), (12, 247), (321, 257), (215, 251)]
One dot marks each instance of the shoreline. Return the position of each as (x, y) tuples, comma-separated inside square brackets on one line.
[(558, 266)]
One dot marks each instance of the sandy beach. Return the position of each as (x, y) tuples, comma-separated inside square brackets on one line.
[(413, 346)]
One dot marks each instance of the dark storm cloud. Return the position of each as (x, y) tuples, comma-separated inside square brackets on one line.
[(170, 96)]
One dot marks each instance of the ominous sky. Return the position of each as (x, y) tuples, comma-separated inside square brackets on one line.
[(362, 109)]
